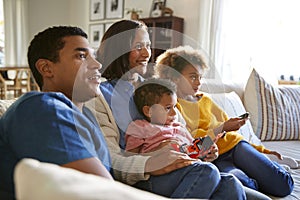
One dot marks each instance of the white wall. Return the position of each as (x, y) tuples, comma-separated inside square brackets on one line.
[(45, 13), (186, 9)]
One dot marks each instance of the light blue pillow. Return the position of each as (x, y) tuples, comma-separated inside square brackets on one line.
[(233, 106)]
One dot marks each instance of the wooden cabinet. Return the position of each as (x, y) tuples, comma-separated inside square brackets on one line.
[(165, 33)]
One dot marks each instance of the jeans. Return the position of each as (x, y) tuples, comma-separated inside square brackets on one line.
[(199, 180), (255, 170)]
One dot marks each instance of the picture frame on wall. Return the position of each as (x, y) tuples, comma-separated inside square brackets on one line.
[(97, 9), (95, 35), (156, 8), (114, 9)]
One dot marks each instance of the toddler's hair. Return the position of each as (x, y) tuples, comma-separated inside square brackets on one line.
[(150, 92)]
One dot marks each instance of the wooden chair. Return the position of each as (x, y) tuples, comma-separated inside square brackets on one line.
[(3, 87), (21, 82)]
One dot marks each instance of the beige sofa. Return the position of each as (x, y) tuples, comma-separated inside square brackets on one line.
[(53, 182), (44, 181)]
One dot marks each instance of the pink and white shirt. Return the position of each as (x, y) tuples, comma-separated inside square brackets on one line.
[(147, 136)]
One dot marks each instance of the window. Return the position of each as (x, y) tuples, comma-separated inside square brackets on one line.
[(260, 34)]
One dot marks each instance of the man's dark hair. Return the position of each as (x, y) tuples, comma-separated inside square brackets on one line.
[(46, 45), (151, 91)]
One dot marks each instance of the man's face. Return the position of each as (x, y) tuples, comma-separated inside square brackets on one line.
[(76, 74)]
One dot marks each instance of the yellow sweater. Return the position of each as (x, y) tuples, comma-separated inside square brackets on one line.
[(203, 116)]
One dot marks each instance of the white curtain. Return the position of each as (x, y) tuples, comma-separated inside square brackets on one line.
[(241, 34), (218, 36), (209, 35), (233, 51), (16, 32)]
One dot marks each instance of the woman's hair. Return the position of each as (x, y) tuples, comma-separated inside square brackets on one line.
[(47, 44), (171, 63), (151, 91), (115, 47)]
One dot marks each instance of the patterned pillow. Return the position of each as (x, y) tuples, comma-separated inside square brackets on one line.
[(233, 106), (275, 110)]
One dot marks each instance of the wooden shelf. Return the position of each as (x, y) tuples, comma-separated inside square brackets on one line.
[(284, 82), (165, 33)]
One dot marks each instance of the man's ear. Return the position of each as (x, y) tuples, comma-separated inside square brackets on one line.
[(146, 111), (44, 67)]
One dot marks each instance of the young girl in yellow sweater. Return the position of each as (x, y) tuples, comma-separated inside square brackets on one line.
[(186, 66)]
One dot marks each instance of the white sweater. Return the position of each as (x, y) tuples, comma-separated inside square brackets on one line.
[(127, 169)]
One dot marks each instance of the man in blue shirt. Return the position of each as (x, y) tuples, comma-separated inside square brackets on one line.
[(54, 125)]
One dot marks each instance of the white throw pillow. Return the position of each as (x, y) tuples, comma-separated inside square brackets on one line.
[(35, 180), (233, 106)]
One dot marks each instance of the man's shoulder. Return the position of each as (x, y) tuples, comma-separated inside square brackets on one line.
[(39, 101), (38, 110), (43, 97)]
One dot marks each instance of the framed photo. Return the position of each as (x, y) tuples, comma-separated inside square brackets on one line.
[(114, 9), (97, 9), (156, 8), (96, 33)]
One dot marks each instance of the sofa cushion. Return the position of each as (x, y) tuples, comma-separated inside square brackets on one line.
[(214, 86), (35, 180), (233, 106), (275, 110)]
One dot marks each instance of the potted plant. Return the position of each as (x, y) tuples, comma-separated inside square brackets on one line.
[(134, 13)]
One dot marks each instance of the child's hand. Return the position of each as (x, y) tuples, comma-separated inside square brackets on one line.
[(212, 154), (234, 124), (279, 156), (218, 136)]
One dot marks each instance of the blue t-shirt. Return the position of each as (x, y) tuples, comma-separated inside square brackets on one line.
[(118, 94), (50, 128)]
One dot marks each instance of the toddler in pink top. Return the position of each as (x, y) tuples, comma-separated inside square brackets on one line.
[(156, 99)]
